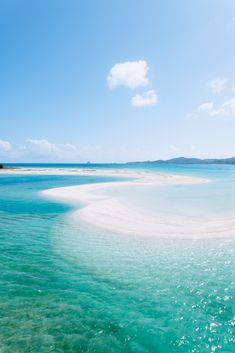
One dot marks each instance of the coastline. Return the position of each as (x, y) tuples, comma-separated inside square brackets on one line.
[(108, 213), (103, 211), (139, 175)]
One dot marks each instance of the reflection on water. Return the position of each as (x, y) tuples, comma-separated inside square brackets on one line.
[(69, 288)]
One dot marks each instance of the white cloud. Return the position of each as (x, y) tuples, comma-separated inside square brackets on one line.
[(226, 109), (69, 146), (147, 99), (217, 85), (131, 74), (41, 146), (205, 107), (5, 146), (43, 149)]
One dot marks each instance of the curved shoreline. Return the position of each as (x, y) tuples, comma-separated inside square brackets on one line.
[(106, 212)]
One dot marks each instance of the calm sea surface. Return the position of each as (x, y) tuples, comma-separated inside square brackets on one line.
[(67, 287)]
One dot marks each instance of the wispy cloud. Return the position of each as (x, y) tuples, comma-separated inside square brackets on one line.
[(5, 146), (217, 85), (131, 74), (205, 107), (146, 99), (41, 146), (226, 109), (42, 150), (214, 109)]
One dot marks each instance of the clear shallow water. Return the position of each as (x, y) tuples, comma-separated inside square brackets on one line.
[(65, 287)]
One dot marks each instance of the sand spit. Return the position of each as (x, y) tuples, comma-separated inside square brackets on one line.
[(101, 210)]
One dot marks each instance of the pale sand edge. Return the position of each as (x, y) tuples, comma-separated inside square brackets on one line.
[(108, 213), (141, 176)]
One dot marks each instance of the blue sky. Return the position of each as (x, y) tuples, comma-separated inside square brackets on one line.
[(116, 80)]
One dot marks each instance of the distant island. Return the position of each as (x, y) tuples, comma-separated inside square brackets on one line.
[(185, 160), (178, 160)]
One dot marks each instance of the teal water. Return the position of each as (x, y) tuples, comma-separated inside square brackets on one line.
[(66, 287)]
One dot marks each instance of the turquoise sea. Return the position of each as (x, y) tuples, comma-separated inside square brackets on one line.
[(67, 287)]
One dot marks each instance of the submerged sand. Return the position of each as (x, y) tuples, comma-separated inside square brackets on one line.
[(99, 209)]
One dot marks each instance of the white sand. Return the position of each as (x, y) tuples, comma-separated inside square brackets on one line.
[(140, 176), (101, 210)]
